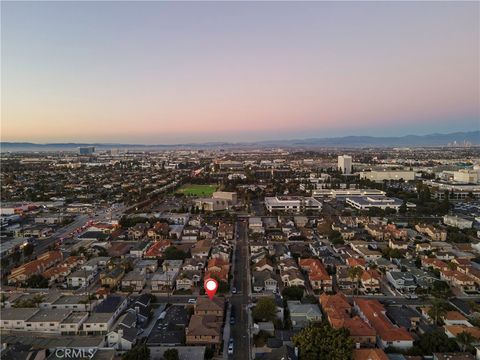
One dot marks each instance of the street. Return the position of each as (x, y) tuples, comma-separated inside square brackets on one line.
[(240, 331)]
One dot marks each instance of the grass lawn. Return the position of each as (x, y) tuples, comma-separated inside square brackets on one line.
[(197, 190)]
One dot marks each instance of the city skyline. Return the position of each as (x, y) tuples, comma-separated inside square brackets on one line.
[(160, 72)]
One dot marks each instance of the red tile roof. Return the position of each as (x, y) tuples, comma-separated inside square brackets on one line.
[(374, 312)]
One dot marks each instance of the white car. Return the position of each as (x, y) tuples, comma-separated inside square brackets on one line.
[(230, 347), (192, 301)]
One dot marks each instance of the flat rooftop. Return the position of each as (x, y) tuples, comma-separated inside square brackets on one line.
[(50, 315)]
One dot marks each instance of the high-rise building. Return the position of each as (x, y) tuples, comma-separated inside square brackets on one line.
[(87, 150), (345, 164)]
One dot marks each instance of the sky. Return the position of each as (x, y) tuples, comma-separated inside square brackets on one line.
[(176, 72)]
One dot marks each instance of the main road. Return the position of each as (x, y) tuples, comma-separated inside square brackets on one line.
[(241, 280)]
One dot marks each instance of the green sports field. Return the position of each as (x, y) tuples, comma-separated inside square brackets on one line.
[(197, 190)]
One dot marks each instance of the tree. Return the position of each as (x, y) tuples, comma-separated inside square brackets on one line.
[(465, 339), (324, 342), (375, 212), (223, 286), (335, 238), (37, 281), (139, 352), (171, 354), (28, 250), (293, 293), (16, 256), (209, 353), (445, 205), (265, 310), (403, 208), (430, 342), (438, 309), (441, 289), (172, 253), (390, 253), (354, 273)]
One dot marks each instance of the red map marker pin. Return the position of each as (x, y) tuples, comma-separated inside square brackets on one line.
[(211, 287)]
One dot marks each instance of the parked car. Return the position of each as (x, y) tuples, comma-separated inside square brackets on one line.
[(230, 347), (192, 301)]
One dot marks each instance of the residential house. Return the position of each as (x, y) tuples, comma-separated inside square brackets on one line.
[(155, 251), (292, 277), (204, 330), (402, 281), (201, 248), (164, 280), (255, 225), (159, 231), (80, 278), (455, 318), (138, 231), (369, 354), (339, 312), (388, 335), (462, 281), (188, 279), (123, 336), (205, 306), (47, 320), (434, 233), (134, 280), (73, 323), (16, 318), (302, 315), (225, 231), (317, 274), (56, 273), (112, 278), (196, 263), (38, 266), (264, 281), (370, 281), (262, 265), (98, 323)]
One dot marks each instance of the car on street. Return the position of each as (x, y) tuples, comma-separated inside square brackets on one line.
[(234, 290), (230, 347), (232, 320), (192, 301)]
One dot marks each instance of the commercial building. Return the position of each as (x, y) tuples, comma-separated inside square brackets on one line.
[(230, 196), (455, 191), (86, 150), (220, 200), (457, 222), (345, 164), (344, 193), (381, 202), (292, 204), (380, 176), (463, 176)]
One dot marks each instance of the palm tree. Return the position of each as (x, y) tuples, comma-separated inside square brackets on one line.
[(437, 310), (354, 273), (465, 339)]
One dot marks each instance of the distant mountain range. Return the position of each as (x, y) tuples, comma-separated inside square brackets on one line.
[(461, 138)]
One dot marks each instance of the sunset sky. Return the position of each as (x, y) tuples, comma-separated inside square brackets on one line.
[(165, 72)]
